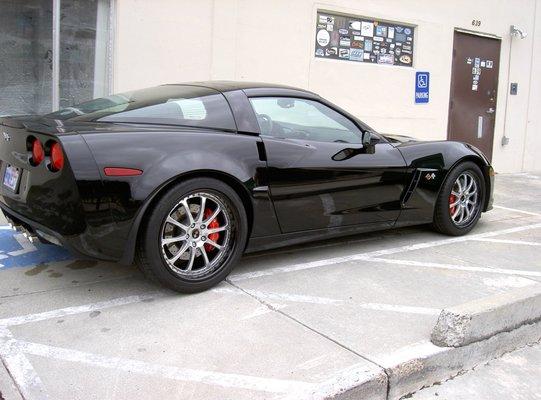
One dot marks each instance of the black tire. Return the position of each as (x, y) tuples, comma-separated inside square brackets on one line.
[(151, 254), (443, 221)]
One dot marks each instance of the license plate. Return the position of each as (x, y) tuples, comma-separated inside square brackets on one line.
[(11, 177)]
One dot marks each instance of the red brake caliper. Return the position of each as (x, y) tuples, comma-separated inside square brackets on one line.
[(452, 200), (212, 225)]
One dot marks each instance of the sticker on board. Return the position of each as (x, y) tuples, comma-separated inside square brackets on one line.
[(355, 25), (367, 29), (323, 38)]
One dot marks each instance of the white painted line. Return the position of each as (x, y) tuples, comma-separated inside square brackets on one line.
[(505, 241), (413, 351), (401, 308), (163, 371), (518, 211), (377, 253), (297, 298), (62, 312), (424, 264), (27, 247), (509, 282), (296, 267), (27, 381), (460, 239), (262, 310)]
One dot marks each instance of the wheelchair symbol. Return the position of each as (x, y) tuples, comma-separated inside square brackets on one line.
[(422, 81)]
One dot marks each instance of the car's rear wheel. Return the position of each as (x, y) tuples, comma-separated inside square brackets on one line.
[(460, 201), (194, 236)]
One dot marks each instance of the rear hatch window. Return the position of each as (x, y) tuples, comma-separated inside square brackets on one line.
[(181, 105)]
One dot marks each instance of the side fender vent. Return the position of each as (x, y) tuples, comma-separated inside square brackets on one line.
[(261, 151), (412, 186)]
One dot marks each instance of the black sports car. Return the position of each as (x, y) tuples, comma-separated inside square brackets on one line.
[(186, 178)]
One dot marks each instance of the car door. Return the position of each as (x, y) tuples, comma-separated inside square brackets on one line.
[(320, 174)]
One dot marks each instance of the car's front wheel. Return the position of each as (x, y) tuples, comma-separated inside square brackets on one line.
[(460, 201), (194, 235)]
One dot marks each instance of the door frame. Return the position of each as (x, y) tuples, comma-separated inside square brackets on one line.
[(479, 34), (55, 90)]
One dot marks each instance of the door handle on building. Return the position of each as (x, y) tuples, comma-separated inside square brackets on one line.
[(491, 110)]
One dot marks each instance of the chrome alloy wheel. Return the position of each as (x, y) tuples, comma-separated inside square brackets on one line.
[(464, 199), (196, 235)]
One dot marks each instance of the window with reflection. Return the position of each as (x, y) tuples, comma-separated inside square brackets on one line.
[(295, 118)]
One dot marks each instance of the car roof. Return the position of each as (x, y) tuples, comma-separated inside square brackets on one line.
[(227, 86)]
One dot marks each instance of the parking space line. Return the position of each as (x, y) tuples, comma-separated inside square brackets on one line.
[(296, 298), (491, 270), (505, 241), (27, 246), (163, 371), (62, 312), (401, 308), (23, 374), (518, 211), (377, 253)]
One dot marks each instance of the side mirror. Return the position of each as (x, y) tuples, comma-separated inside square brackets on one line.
[(367, 138), (368, 146)]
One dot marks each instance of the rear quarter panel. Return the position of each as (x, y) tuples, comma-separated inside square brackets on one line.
[(168, 156)]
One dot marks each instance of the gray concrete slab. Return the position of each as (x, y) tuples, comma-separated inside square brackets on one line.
[(57, 276), (303, 322), (515, 376), (215, 340)]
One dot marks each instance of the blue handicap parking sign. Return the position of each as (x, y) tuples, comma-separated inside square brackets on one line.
[(422, 87), (17, 251)]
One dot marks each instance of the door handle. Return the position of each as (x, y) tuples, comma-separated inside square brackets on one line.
[(491, 110)]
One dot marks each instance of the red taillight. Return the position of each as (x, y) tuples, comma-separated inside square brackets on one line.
[(38, 154), (57, 157)]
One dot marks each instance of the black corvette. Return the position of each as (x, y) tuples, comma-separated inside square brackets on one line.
[(184, 179)]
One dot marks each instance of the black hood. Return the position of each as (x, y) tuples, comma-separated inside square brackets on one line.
[(398, 138)]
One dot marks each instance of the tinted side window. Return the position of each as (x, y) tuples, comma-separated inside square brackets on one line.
[(173, 105), (303, 119)]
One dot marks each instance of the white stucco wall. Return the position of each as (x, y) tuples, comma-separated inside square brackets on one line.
[(165, 41), (532, 143)]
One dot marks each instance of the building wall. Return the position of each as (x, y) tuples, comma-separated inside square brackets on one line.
[(164, 41), (532, 143)]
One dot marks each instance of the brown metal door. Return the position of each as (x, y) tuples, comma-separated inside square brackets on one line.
[(474, 84)]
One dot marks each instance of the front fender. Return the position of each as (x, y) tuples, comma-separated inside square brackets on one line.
[(429, 164)]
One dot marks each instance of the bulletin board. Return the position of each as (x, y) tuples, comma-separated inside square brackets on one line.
[(360, 39)]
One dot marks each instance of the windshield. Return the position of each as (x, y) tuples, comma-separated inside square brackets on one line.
[(169, 104)]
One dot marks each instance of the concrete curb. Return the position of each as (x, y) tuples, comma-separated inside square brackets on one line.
[(477, 332), (426, 364), (484, 318), (353, 383)]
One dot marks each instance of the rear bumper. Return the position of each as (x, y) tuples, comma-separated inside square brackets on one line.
[(32, 229)]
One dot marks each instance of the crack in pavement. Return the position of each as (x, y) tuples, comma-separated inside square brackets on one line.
[(321, 334)]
